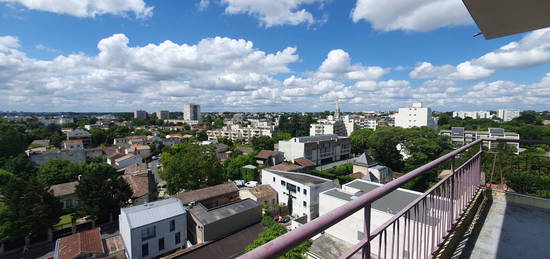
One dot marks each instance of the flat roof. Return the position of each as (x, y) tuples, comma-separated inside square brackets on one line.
[(152, 212), (307, 139), (207, 216), (305, 179)]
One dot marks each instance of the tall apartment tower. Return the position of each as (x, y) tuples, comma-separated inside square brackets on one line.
[(192, 112), (508, 114), (163, 115), (140, 115), (414, 116)]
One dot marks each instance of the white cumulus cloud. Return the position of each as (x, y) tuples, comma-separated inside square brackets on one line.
[(88, 8), (273, 13)]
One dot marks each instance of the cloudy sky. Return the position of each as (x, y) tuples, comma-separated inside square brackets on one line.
[(262, 55)]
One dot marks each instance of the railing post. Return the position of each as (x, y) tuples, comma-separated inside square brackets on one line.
[(366, 248), (452, 198)]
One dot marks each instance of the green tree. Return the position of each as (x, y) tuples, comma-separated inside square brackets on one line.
[(60, 171), (201, 135), (274, 230), (282, 136), (226, 141), (27, 208), (262, 143), (383, 146), (190, 166), (359, 140), (99, 136), (218, 123), (234, 166), (20, 165), (56, 138), (12, 142), (101, 192)]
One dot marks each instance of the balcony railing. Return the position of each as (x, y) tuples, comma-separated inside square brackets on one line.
[(418, 230)]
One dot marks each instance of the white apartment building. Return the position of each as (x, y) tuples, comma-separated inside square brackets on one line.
[(508, 114), (472, 114), (365, 123), (239, 132), (414, 116), (140, 115), (351, 229), (461, 137), (192, 112), (153, 229), (163, 115), (318, 149), (302, 189), (341, 126)]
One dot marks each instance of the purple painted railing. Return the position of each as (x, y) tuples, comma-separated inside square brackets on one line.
[(418, 230)]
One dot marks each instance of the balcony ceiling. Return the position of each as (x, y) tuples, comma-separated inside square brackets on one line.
[(499, 18)]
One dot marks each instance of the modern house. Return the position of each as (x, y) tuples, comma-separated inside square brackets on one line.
[(66, 194), (153, 229), (318, 149), (212, 196), (73, 144), (86, 244), (298, 191), (210, 224)]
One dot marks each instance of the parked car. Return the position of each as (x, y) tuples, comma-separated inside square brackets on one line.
[(239, 183), (251, 184)]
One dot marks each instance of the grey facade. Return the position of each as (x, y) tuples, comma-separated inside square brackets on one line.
[(191, 112), (153, 229)]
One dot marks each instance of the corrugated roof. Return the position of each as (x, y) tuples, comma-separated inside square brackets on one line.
[(148, 213)]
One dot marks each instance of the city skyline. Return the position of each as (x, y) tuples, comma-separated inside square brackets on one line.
[(290, 56)]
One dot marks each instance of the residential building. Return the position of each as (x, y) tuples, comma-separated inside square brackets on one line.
[(365, 168), (65, 192), (143, 186), (288, 167), (269, 157), (153, 229), (508, 114), (263, 194), (192, 112), (318, 149), (86, 244), (239, 132), (140, 115), (459, 136), (415, 116), (472, 114), (143, 151), (60, 120), (120, 161), (210, 224), (163, 115), (40, 143), (364, 122), (80, 134), (341, 126), (73, 144), (351, 229), (212, 196), (299, 191)]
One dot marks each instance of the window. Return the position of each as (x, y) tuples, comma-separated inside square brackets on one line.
[(148, 233), (305, 203), (298, 188), (178, 238), (161, 244), (305, 192), (273, 179), (145, 250), (172, 225), (283, 183)]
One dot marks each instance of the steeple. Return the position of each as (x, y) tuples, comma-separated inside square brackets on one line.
[(337, 112)]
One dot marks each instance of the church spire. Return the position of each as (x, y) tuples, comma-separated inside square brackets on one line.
[(337, 112)]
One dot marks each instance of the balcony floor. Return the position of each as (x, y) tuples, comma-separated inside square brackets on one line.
[(513, 231)]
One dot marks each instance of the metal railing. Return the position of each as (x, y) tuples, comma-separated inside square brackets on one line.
[(418, 230)]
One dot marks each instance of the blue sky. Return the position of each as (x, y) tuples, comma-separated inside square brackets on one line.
[(262, 55)]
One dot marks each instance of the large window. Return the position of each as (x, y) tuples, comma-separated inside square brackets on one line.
[(145, 250), (148, 233), (291, 187), (178, 238), (161, 244), (172, 225)]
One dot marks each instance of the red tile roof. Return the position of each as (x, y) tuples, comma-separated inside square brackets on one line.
[(206, 193), (304, 162), (265, 154), (63, 189), (79, 244), (286, 167)]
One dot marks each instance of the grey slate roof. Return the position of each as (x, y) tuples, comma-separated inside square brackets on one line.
[(364, 160), (148, 213), (305, 179), (207, 216)]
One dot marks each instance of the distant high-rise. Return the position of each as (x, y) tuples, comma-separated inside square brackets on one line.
[(140, 115), (508, 114), (163, 115), (415, 116), (192, 112)]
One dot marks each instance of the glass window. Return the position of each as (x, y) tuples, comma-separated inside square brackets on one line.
[(172, 225), (145, 250), (148, 233), (283, 183), (273, 179), (178, 238), (161, 244), (305, 192), (305, 203)]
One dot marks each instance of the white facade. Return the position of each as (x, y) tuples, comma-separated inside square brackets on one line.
[(472, 114), (127, 160), (163, 115), (365, 123), (303, 188), (153, 229), (415, 116), (192, 112), (238, 132), (508, 114)]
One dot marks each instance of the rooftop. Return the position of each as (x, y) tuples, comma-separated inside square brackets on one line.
[(261, 191), (285, 166), (79, 244), (308, 139), (305, 179), (64, 188), (265, 154), (206, 216), (148, 213), (206, 193), (138, 183), (364, 160), (304, 162)]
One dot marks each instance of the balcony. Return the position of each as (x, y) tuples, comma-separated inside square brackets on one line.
[(465, 215)]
